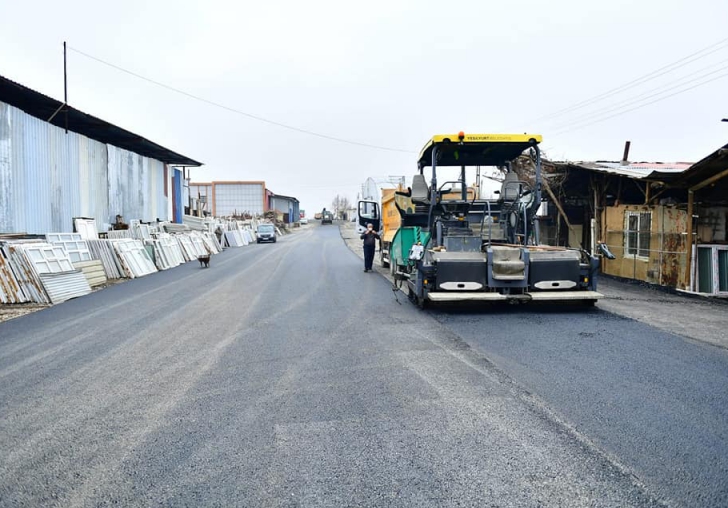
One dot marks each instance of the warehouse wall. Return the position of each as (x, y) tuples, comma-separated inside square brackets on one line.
[(47, 177), (136, 186)]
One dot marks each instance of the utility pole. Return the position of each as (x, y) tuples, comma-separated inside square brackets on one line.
[(65, 84)]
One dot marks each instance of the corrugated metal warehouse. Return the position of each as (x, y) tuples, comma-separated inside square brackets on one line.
[(95, 170)]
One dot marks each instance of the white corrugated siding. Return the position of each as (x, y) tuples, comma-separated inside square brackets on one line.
[(93, 166), (47, 177), (136, 186), (64, 286), (6, 176)]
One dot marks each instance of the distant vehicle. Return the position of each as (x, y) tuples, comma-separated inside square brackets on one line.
[(327, 217), (266, 233), (303, 220), (317, 216)]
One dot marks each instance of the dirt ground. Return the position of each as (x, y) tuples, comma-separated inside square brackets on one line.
[(12, 311), (8, 312)]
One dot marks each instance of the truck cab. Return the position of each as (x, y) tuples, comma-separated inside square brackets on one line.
[(327, 217), (368, 212)]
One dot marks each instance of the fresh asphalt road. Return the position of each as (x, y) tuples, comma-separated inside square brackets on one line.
[(656, 403), (285, 376)]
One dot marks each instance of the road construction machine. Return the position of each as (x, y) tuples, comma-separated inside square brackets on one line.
[(327, 217), (454, 245)]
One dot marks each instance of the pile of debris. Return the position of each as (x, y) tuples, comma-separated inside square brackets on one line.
[(276, 218)]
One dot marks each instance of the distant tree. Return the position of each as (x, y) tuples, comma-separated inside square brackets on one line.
[(340, 204)]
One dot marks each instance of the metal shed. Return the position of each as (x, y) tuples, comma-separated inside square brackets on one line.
[(95, 169), (287, 205)]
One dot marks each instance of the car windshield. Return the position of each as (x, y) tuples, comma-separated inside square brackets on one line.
[(265, 228)]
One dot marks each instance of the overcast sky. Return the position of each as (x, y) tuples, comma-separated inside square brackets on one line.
[(386, 73)]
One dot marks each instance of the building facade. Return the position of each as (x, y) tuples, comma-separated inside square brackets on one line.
[(665, 224), (288, 206), (96, 170), (229, 198)]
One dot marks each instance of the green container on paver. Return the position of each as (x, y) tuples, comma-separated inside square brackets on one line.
[(403, 241)]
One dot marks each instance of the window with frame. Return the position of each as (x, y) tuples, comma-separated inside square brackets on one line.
[(638, 229)]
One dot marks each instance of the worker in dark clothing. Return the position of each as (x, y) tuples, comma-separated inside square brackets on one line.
[(370, 238)]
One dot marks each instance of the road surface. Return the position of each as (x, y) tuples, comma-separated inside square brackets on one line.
[(284, 375)]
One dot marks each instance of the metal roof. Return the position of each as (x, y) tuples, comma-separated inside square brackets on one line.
[(710, 166), (43, 107), (667, 171), (289, 198)]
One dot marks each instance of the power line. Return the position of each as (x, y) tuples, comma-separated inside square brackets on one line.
[(642, 79), (577, 127), (644, 96), (239, 112)]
